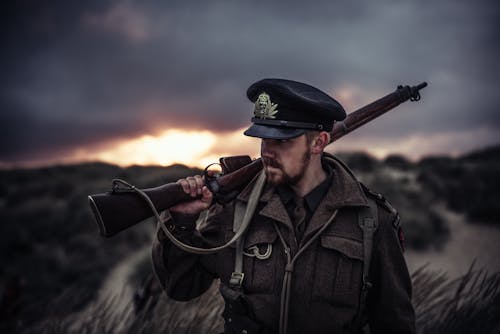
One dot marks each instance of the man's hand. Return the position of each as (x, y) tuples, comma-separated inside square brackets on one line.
[(195, 186)]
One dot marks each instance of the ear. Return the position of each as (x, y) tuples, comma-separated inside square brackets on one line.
[(319, 143)]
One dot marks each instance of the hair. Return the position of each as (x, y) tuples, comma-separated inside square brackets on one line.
[(310, 135)]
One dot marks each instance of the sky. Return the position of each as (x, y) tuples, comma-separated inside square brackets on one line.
[(162, 82)]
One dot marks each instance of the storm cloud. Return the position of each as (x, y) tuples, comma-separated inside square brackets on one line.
[(82, 73)]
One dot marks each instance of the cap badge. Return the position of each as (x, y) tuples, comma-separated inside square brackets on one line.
[(264, 108)]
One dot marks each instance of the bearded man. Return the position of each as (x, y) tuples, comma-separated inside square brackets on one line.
[(321, 253)]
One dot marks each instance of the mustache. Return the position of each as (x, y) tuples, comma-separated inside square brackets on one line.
[(271, 162)]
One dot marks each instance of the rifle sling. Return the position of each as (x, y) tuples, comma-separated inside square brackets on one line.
[(250, 208)]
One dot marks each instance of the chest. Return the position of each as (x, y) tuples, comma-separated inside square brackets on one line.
[(329, 270)]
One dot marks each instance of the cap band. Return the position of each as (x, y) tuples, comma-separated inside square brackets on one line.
[(287, 124)]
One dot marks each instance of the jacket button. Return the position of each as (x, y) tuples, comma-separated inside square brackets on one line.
[(244, 331), (229, 320)]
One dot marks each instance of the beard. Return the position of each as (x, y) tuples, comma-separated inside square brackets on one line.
[(278, 176)]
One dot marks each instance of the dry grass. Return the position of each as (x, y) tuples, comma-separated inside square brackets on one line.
[(469, 304)]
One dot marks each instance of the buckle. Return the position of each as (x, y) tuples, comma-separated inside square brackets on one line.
[(236, 280), (366, 283)]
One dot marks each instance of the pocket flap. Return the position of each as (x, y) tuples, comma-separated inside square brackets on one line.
[(349, 247), (253, 236), (259, 236)]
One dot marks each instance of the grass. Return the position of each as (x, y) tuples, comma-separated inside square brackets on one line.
[(468, 304)]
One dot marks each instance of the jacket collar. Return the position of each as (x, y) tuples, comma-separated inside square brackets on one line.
[(344, 191), (273, 207)]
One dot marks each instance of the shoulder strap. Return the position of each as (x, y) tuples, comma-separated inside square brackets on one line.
[(237, 275), (396, 219), (243, 213), (368, 222)]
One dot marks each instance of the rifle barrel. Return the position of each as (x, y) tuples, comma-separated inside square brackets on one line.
[(373, 110)]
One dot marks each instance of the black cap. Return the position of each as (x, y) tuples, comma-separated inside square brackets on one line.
[(286, 109)]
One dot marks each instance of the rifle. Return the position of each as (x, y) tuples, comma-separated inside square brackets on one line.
[(119, 209)]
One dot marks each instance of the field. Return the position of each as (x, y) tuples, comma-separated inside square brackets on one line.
[(58, 275)]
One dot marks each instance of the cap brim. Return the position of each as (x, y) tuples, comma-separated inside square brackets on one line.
[(270, 132)]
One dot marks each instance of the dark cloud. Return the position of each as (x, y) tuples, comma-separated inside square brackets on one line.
[(84, 72), (27, 137)]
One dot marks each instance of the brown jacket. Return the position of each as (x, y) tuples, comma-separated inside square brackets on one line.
[(327, 280)]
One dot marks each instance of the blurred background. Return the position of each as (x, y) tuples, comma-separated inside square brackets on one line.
[(151, 91)]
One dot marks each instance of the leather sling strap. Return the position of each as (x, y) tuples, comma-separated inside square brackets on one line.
[(250, 208)]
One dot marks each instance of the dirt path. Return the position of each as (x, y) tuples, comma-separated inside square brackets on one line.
[(468, 242), (115, 297)]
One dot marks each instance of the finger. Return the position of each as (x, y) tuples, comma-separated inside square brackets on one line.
[(199, 183), (192, 186), (185, 185)]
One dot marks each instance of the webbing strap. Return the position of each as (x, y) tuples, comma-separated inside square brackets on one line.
[(368, 222), (237, 276), (243, 213)]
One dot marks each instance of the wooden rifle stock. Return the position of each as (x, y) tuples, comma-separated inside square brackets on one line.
[(115, 211)]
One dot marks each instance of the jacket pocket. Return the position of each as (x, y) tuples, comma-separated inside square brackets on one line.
[(339, 268), (259, 259)]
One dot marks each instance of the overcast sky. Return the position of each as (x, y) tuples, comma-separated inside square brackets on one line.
[(79, 74)]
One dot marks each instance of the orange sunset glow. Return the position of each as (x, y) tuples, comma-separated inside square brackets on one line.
[(201, 148), (191, 148)]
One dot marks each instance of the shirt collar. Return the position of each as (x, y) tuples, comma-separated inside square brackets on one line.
[(314, 197)]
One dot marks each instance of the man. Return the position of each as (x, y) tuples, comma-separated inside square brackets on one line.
[(321, 253)]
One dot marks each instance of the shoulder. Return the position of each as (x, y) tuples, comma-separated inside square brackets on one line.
[(387, 213), (388, 217)]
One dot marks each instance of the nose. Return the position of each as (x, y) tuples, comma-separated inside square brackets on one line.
[(266, 148)]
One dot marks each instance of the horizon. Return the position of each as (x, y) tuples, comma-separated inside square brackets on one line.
[(6, 167)]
